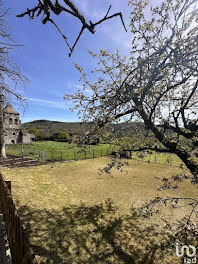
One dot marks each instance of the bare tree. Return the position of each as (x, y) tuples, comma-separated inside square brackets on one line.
[(8, 71), (157, 84), (2, 142), (47, 7)]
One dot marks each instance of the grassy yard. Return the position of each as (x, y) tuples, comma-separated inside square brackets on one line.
[(63, 150), (57, 150), (74, 215), (161, 158)]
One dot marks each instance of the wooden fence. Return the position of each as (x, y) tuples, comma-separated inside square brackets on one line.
[(21, 251)]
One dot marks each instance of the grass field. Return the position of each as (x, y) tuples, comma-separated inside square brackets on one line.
[(74, 215), (161, 158), (65, 151), (59, 150)]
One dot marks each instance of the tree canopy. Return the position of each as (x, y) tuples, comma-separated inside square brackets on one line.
[(157, 83), (61, 135)]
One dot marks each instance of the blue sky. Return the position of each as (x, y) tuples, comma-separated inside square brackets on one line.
[(44, 60)]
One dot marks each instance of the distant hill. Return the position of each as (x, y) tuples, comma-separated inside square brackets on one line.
[(54, 126), (74, 128)]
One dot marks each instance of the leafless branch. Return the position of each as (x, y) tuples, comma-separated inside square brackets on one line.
[(45, 6)]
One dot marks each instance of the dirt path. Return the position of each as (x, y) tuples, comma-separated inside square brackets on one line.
[(5, 257), (14, 162)]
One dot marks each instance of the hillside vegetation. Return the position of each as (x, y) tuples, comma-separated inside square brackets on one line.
[(54, 126), (75, 128)]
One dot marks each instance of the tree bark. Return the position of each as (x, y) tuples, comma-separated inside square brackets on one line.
[(2, 141), (172, 146)]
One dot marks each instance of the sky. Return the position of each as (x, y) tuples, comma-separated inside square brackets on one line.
[(43, 56)]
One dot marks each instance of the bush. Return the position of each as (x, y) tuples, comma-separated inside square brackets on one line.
[(61, 136)]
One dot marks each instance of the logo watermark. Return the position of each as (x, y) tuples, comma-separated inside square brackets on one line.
[(190, 251)]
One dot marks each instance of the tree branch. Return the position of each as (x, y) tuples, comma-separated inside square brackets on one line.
[(46, 5), (160, 150)]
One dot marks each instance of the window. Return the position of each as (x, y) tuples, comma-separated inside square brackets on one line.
[(16, 121), (10, 121)]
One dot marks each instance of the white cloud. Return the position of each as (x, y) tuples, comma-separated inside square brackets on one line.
[(121, 39), (89, 10), (49, 103), (73, 87)]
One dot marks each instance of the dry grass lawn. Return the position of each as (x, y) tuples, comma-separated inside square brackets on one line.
[(74, 215)]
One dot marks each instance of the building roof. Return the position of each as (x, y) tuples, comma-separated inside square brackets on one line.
[(10, 110)]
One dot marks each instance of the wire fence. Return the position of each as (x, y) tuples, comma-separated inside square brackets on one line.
[(42, 156), (154, 157), (61, 155)]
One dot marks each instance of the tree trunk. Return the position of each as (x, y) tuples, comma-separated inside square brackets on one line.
[(2, 142), (3, 151), (191, 164), (182, 153)]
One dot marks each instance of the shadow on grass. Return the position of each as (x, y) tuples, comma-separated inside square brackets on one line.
[(95, 234)]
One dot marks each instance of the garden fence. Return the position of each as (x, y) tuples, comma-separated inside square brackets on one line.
[(34, 156), (21, 251), (153, 157), (59, 155)]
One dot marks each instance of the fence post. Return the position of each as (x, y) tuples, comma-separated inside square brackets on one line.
[(61, 155), (52, 156), (18, 241), (22, 154), (168, 160), (149, 160), (155, 159), (8, 183), (43, 156)]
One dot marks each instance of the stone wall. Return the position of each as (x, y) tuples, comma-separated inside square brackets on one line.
[(11, 121), (13, 136), (14, 133), (26, 138)]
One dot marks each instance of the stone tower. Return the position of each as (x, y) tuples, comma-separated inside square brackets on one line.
[(13, 132)]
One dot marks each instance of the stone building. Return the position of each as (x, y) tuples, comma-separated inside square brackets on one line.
[(14, 133)]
